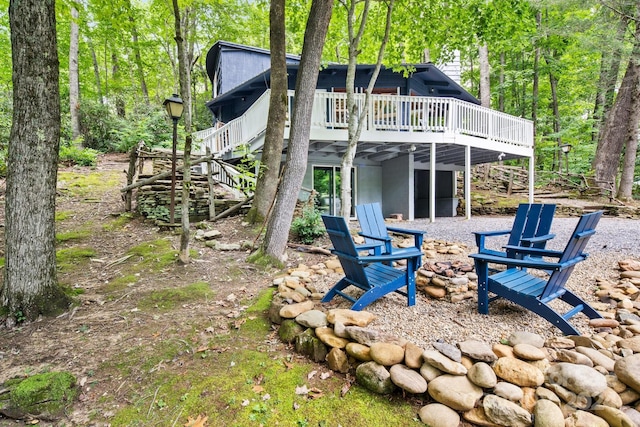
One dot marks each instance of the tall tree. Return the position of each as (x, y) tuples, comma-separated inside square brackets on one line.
[(74, 78), (358, 113), (267, 183), (621, 126), (30, 282), (184, 72), (279, 223)]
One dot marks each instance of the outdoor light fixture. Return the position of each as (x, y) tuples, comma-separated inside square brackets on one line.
[(565, 149), (174, 108)]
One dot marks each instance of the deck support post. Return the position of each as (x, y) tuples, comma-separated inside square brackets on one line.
[(432, 183), (467, 181)]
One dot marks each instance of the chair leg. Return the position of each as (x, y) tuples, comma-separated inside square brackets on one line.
[(482, 270), (552, 316), (573, 300), (335, 290)]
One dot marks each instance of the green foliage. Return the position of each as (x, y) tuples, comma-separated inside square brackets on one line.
[(74, 155), (308, 227)]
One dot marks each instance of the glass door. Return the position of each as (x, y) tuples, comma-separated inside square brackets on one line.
[(326, 183)]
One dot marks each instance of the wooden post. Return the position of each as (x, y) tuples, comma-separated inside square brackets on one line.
[(212, 194), (131, 173)]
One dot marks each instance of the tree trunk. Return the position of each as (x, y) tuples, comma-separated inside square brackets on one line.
[(501, 83), (115, 72), (267, 182), (606, 89), (279, 224), (184, 73), (96, 70), (553, 81), (136, 51), (357, 116), (74, 84), (619, 124), (536, 78), (30, 283), (485, 81)]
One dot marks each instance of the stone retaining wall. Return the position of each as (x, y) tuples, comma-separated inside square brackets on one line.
[(573, 381)]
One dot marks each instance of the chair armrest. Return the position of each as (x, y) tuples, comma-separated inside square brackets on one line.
[(368, 246), (533, 251), (406, 231), (491, 233), (538, 239), (367, 259), (380, 238), (514, 262)]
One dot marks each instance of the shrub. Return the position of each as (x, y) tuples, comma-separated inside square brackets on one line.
[(308, 227), (74, 155)]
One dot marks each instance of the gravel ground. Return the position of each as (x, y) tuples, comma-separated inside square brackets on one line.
[(430, 320)]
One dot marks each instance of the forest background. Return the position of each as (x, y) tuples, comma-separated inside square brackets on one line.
[(558, 63)]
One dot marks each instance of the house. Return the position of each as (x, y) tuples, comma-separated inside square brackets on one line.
[(422, 128)]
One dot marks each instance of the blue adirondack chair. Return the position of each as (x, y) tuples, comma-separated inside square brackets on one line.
[(375, 230), (535, 293), (530, 228), (370, 273)]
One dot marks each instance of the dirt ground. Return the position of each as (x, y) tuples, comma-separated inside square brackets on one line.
[(108, 321)]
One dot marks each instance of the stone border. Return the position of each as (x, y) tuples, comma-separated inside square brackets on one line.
[(562, 381)]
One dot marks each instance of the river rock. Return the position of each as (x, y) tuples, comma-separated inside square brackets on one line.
[(350, 317), (439, 415), (528, 352), (443, 363), (408, 379), (448, 350), (477, 417), (502, 350), (362, 335), (429, 372), (508, 391), (559, 343), (477, 350), (375, 378), (628, 371), (291, 311), (545, 393), (327, 336), (338, 361), (609, 397), (597, 358), (572, 356), (584, 419), (413, 356), (289, 330), (548, 414), (579, 379), (312, 319), (455, 391), (504, 412), (613, 416), (523, 337), (386, 354), (482, 375), (308, 344), (358, 351), (579, 401), (518, 372)]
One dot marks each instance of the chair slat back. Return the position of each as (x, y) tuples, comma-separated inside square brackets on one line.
[(532, 220), (575, 248), (372, 222), (344, 248)]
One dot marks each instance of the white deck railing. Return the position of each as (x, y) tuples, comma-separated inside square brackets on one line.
[(387, 113)]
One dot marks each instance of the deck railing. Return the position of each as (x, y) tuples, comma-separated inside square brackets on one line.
[(387, 113)]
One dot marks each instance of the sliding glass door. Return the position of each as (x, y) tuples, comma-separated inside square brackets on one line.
[(326, 183)]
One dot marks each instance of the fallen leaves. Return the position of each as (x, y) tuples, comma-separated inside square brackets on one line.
[(199, 421)]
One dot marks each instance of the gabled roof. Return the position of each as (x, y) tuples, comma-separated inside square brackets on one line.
[(424, 79)]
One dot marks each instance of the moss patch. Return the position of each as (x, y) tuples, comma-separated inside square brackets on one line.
[(72, 235), (62, 215), (92, 184), (118, 223), (69, 258), (119, 283), (168, 299), (46, 395)]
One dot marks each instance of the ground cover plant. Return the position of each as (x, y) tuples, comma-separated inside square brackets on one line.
[(152, 343)]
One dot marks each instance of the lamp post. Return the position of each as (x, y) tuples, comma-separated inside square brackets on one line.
[(566, 148), (174, 107)]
